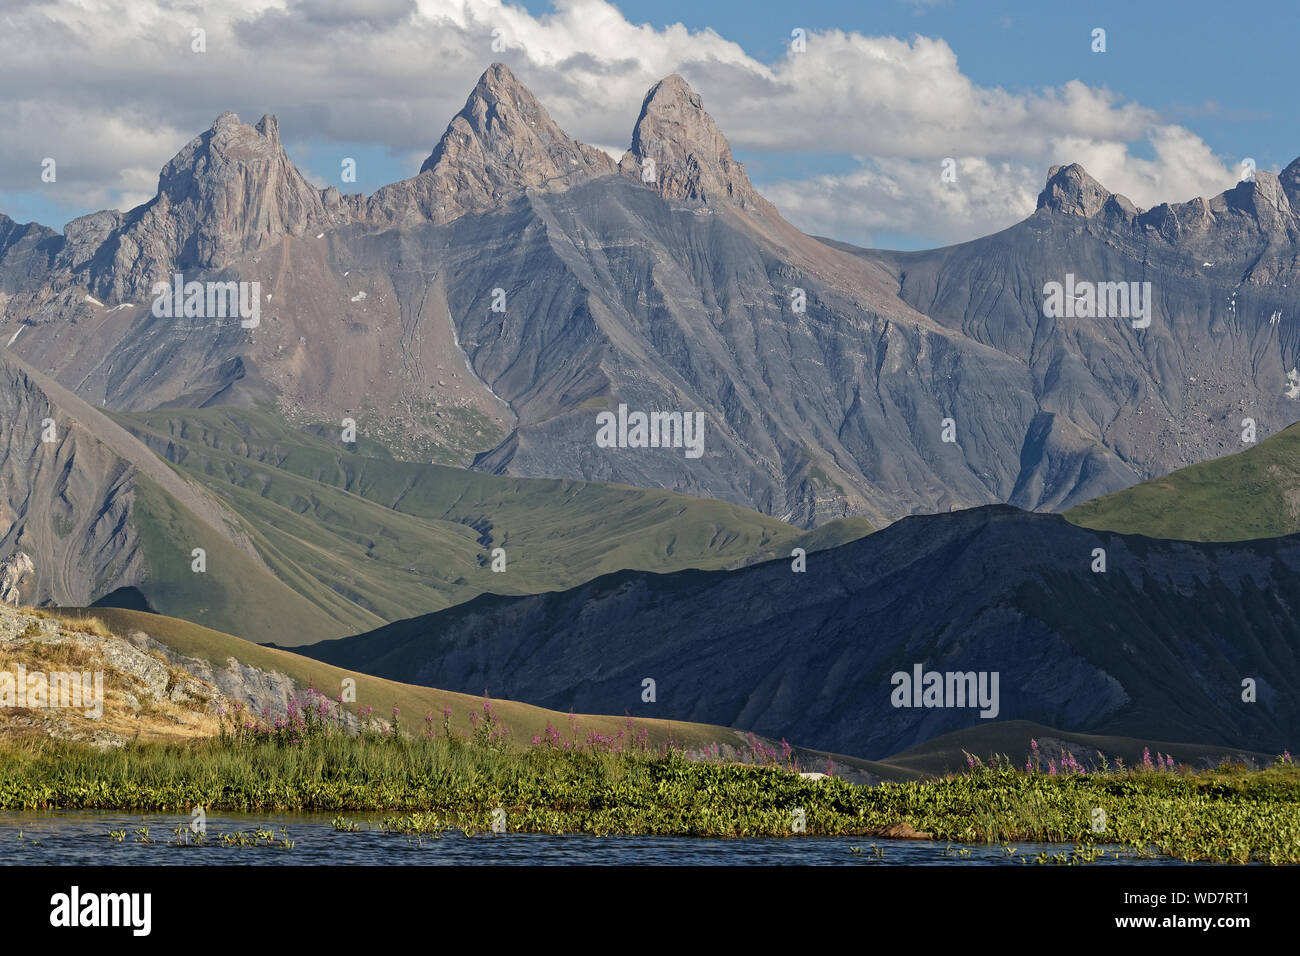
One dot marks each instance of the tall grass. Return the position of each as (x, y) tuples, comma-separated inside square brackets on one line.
[(313, 762)]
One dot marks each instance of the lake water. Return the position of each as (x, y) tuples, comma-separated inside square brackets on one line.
[(81, 839)]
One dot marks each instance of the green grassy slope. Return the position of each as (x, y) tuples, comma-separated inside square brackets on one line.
[(1241, 497), (366, 539), (235, 594)]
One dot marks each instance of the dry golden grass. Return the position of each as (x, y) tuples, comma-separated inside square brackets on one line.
[(41, 649)]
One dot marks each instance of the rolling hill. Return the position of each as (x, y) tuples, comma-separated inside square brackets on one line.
[(95, 510), (303, 536), (369, 539), (1251, 494)]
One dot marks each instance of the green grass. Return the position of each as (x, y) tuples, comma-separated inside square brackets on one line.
[(364, 539), (235, 593), (1249, 495), (428, 784)]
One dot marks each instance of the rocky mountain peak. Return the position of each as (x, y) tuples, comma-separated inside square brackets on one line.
[(207, 170), (230, 190), (502, 142), (678, 150), (1072, 191), (1267, 201)]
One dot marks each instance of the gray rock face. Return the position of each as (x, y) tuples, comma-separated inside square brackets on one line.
[(231, 190), (824, 373), (26, 255), (1110, 403), (1155, 647)]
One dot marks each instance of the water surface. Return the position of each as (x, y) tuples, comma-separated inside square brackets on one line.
[(80, 838)]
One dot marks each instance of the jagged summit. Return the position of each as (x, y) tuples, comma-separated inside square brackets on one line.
[(501, 142), (691, 157), (1072, 191), (229, 190), (677, 291), (1267, 205), (503, 125)]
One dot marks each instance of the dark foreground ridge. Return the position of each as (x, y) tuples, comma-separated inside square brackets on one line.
[(1157, 646)]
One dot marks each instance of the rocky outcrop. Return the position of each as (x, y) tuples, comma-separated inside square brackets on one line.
[(126, 687), (148, 687), (231, 190), (17, 579)]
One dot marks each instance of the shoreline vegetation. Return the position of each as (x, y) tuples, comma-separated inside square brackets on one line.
[(322, 757)]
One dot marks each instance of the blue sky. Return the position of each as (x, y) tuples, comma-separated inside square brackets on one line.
[(1211, 83), (1226, 70)]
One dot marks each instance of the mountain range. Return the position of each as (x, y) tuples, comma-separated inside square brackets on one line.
[(483, 312)]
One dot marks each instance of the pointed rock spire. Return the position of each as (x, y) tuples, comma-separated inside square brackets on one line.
[(502, 142), (507, 133), (230, 190), (678, 150), (1071, 190)]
